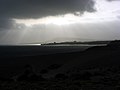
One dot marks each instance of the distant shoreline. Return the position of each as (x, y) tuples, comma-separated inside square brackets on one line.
[(73, 43), (52, 45)]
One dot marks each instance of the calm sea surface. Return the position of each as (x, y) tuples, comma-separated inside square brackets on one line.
[(37, 49)]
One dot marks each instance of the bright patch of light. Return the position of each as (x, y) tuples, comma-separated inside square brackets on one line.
[(56, 20)]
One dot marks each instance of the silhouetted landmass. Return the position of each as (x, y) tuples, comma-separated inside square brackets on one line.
[(76, 42), (115, 44), (97, 68)]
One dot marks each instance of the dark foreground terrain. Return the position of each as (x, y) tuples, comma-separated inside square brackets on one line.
[(97, 68)]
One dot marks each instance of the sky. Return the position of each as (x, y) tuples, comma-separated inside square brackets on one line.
[(42, 21)]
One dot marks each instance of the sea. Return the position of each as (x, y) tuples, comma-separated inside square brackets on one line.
[(7, 51)]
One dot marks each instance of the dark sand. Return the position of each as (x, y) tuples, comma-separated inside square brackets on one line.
[(66, 68), (14, 58)]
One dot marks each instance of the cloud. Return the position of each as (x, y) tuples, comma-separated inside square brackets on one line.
[(25, 9), (113, 0), (119, 17), (6, 23), (41, 8)]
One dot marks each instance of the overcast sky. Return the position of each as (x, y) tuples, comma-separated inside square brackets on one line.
[(33, 21)]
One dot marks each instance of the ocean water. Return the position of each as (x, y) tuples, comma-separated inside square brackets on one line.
[(37, 49)]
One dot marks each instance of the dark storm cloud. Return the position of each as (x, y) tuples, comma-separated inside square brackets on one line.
[(6, 23), (40, 8), (25, 9)]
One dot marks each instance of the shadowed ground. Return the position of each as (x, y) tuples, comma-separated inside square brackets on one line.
[(93, 69)]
